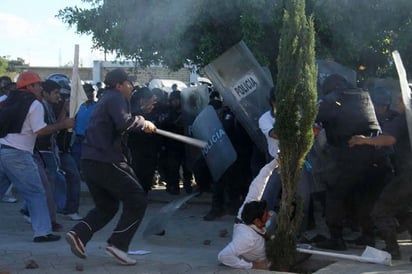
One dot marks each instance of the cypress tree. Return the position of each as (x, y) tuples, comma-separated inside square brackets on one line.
[(296, 111)]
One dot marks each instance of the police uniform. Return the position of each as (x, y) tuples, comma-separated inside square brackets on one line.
[(395, 197), (345, 113)]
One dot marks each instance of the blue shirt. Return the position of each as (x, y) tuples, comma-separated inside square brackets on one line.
[(83, 118)]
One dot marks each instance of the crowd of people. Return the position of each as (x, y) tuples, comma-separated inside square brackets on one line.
[(45, 155), (363, 173)]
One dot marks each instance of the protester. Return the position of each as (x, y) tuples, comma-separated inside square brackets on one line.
[(82, 122), (100, 90), (5, 85), (60, 164), (21, 120), (9, 197), (108, 173), (267, 124), (247, 249)]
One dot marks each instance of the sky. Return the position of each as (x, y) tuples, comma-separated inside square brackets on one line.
[(30, 30)]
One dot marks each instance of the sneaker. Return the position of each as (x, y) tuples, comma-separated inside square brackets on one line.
[(76, 245), (46, 238), (74, 216), (334, 244), (120, 255), (26, 215), (9, 199)]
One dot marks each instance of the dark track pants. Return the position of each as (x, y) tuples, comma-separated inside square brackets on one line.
[(109, 184)]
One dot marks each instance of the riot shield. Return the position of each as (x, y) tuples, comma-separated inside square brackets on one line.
[(327, 67), (244, 86), (405, 90), (219, 152), (194, 100), (390, 84)]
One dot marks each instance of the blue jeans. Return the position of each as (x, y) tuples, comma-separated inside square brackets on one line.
[(48, 188), (67, 186), (19, 168), (76, 150)]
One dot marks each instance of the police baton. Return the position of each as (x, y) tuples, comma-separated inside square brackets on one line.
[(182, 138)]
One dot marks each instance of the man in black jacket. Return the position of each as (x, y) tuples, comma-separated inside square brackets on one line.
[(107, 172)]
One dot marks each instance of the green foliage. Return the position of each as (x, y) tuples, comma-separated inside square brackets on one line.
[(13, 65), (295, 116), (363, 32), (352, 32), (176, 32), (4, 63)]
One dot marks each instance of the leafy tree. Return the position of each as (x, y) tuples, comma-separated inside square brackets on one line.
[(352, 32), (176, 32), (3, 65), (296, 110), (13, 65), (363, 32)]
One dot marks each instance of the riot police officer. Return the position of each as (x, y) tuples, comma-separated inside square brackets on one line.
[(344, 111)]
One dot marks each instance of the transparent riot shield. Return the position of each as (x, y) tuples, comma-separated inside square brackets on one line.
[(219, 152), (244, 86), (390, 84), (405, 91), (194, 100), (327, 67)]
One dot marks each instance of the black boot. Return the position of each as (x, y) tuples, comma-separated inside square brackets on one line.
[(363, 240), (336, 242), (333, 243), (392, 245), (213, 214)]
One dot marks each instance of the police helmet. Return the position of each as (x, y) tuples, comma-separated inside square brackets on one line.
[(381, 96), (335, 82)]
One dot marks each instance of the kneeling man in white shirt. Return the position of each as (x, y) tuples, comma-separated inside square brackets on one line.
[(247, 248)]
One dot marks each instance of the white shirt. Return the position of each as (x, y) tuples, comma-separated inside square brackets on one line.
[(266, 123), (247, 246), (33, 122), (257, 186)]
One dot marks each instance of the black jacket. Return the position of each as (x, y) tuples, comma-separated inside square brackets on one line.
[(14, 110)]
